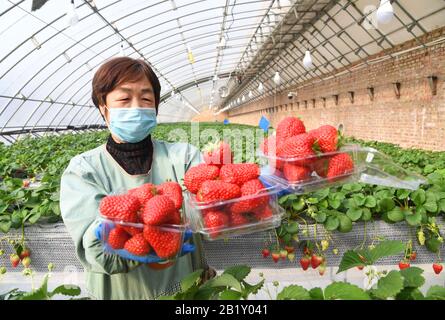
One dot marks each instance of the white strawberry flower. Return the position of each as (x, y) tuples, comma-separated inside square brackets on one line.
[(372, 277)]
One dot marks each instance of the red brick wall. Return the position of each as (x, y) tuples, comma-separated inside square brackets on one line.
[(416, 119)]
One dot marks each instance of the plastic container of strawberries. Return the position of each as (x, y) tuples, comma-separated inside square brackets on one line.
[(369, 166), (165, 241), (268, 216)]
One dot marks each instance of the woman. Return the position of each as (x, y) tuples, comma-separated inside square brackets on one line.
[(127, 93)]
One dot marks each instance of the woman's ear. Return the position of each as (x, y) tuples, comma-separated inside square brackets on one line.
[(104, 111)]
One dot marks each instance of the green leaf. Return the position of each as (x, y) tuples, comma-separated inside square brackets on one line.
[(291, 228), (320, 217), (413, 219), (294, 292), (418, 197), (230, 295), (431, 202), (312, 200), (370, 202), (386, 248), (299, 204), (387, 204), (410, 294), (367, 215), (350, 260), (354, 213), (389, 286), (331, 223), (402, 194), (345, 223), (396, 215), (321, 194), (224, 280), (191, 279), (359, 199), (5, 224), (436, 293), (66, 290), (34, 217), (316, 294), (413, 277), (433, 244), (38, 294), (252, 289), (238, 272), (344, 291)]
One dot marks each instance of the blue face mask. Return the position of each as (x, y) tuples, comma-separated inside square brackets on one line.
[(132, 124)]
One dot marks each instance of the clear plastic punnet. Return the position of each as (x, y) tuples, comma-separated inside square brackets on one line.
[(229, 218), (156, 244), (351, 163)]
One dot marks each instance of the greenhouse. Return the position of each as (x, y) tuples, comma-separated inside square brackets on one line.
[(222, 150)]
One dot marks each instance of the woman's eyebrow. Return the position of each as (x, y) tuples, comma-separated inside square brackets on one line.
[(147, 90)]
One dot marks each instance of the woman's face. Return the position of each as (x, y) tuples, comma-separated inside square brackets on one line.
[(137, 94)]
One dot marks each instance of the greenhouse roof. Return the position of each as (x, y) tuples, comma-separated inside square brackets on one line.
[(207, 54)]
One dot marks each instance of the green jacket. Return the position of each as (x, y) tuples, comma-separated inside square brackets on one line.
[(91, 176)]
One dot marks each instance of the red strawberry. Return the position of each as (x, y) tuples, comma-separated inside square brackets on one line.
[(117, 238), (307, 251), (413, 256), (25, 253), (121, 207), (294, 173), (298, 147), (320, 166), (305, 262), (130, 230), (316, 260), (360, 267), (437, 267), (239, 173), (238, 219), (249, 189), (158, 210), (265, 252), (404, 265), (137, 245), (195, 176), (215, 220), (263, 213), (289, 127), (326, 137), (215, 190), (269, 146), (144, 192), (339, 165), (275, 256), (218, 153), (165, 242), (322, 269), (289, 249), (15, 260), (172, 190)]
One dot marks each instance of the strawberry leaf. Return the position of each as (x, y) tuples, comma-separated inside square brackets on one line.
[(389, 286), (294, 292), (344, 291)]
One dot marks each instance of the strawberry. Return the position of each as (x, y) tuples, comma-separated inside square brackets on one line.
[(158, 210), (130, 229), (263, 213), (26, 262), (320, 166), (121, 207), (218, 153), (437, 267), (265, 252), (215, 220), (298, 147), (117, 238), (316, 260), (413, 256), (249, 189), (339, 165), (137, 245), (289, 127), (25, 253), (294, 173), (195, 176), (275, 256), (239, 173), (166, 243), (326, 137), (283, 254), (291, 257), (215, 190), (269, 146), (15, 260), (305, 262), (238, 219), (307, 251), (360, 267), (144, 192), (404, 265), (289, 249), (322, 269), (172, 190)]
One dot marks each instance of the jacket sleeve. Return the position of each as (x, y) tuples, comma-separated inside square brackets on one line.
[(80, 195)]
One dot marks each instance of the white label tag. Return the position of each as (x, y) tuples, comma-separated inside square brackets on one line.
[(369, 157)]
